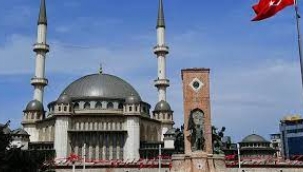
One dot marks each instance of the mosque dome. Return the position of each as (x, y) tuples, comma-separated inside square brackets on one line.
[(254, 138), (64, 99), (162, 106), (100, 86), (34, 105), (132, 99)]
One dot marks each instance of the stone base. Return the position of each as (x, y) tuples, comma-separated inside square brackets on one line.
[(198, 162)]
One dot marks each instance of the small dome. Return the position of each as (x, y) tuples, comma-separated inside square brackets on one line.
[(171, 131), (162, 106), (132, 99), (20, 131), (254, 138), (34, 105), (64, 99)]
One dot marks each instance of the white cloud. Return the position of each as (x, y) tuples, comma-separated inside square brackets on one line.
[(17, 57)]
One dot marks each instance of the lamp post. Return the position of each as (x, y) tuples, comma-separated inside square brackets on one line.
[(84, 156), (239, 157), (160, 146)]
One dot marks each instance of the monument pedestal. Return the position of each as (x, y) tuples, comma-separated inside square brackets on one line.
[(198, 162)]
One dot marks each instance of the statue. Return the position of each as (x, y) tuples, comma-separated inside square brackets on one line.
[(179, 141), (217, 140), (195, 126)]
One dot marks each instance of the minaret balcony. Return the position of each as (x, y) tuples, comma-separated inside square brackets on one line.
[(41, 47), (161, 49), (39, 81), (162, 82)]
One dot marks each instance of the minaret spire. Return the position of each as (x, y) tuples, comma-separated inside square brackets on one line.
[(42, 14), (40, 48), (161, 20), (161, 50)]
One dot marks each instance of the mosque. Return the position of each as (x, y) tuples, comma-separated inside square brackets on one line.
[(99, 115)]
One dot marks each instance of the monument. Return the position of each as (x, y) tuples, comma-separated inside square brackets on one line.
[(198, 132)]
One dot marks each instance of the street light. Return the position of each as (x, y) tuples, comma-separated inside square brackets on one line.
[(239, 157)]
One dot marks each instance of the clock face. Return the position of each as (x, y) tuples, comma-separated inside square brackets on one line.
[(196, 84)]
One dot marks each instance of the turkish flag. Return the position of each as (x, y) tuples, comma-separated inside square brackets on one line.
[(268, 8)]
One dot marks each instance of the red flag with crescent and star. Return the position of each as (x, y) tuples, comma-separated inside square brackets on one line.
[(268, 8)]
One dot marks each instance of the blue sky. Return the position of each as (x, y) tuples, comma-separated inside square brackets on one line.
[(255, 75)]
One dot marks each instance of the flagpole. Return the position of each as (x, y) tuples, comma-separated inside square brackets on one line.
[(299, 38)]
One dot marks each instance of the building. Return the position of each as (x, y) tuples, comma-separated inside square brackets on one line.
[(255, 146), (291, 128), (19, 137), (99, 116), (276, 143)]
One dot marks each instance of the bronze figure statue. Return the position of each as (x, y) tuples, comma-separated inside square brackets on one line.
[(217, 140), (195, 126), (179, 141)]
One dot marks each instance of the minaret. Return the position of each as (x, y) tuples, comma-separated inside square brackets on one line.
[(162, 111), (161, 50), (40, 48)]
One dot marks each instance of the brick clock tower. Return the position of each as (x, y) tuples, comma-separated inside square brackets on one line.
[(198, 150)]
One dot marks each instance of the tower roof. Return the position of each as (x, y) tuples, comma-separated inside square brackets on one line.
[(34, 105), (42, 14), (161, 21), (162, 106)]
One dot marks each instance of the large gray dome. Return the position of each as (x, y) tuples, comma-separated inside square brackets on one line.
[(254, 138), (100, 86)]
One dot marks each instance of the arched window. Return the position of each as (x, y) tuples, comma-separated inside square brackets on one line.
[(76, 106), (110, 105), (130, 108), (59, 109), (86, 105), (98, 105), (120, 106), (65, 108)]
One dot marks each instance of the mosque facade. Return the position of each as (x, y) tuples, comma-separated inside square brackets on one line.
[(99, 115)]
